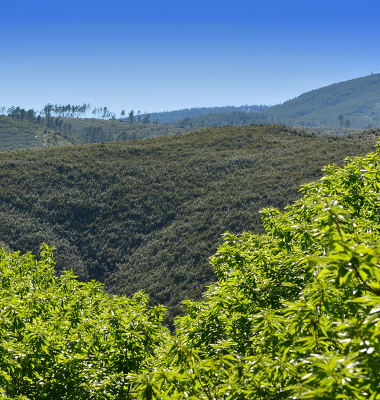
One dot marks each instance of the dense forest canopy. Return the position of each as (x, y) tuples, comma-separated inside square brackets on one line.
[(294, 314), (148, 214)]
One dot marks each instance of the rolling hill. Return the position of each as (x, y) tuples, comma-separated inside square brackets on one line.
[(147, 214), (63, 131)]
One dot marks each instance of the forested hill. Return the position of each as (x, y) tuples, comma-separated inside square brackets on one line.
[(357, 100), (350, 104), (147, 214), (170, 116)]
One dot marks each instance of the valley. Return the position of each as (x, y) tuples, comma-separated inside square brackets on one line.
[(148, 214)]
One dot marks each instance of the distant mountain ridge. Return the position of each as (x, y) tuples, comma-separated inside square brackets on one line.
[(350, 104), (170, 116)]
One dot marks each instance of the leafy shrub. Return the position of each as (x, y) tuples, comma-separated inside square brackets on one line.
[(61, 339), (295, 313)]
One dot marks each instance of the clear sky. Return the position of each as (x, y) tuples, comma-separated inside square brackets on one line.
[(166, 55)]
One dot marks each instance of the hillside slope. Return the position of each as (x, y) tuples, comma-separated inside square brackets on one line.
[(148, 214), (17, 135), (91, 130), (358, 100)]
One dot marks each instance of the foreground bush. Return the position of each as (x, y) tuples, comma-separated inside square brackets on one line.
[(296, 312), (61, 339)]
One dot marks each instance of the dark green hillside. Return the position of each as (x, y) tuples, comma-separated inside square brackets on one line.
[(358, 100), (148, 214), (329, 131)]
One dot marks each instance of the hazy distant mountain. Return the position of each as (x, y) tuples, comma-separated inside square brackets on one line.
[(169, 116)]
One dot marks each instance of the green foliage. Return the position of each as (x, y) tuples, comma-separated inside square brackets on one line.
[(148, 214), (61, 339), (295, 312)]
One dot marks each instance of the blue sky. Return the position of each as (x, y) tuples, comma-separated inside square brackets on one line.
[(166, 55)]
